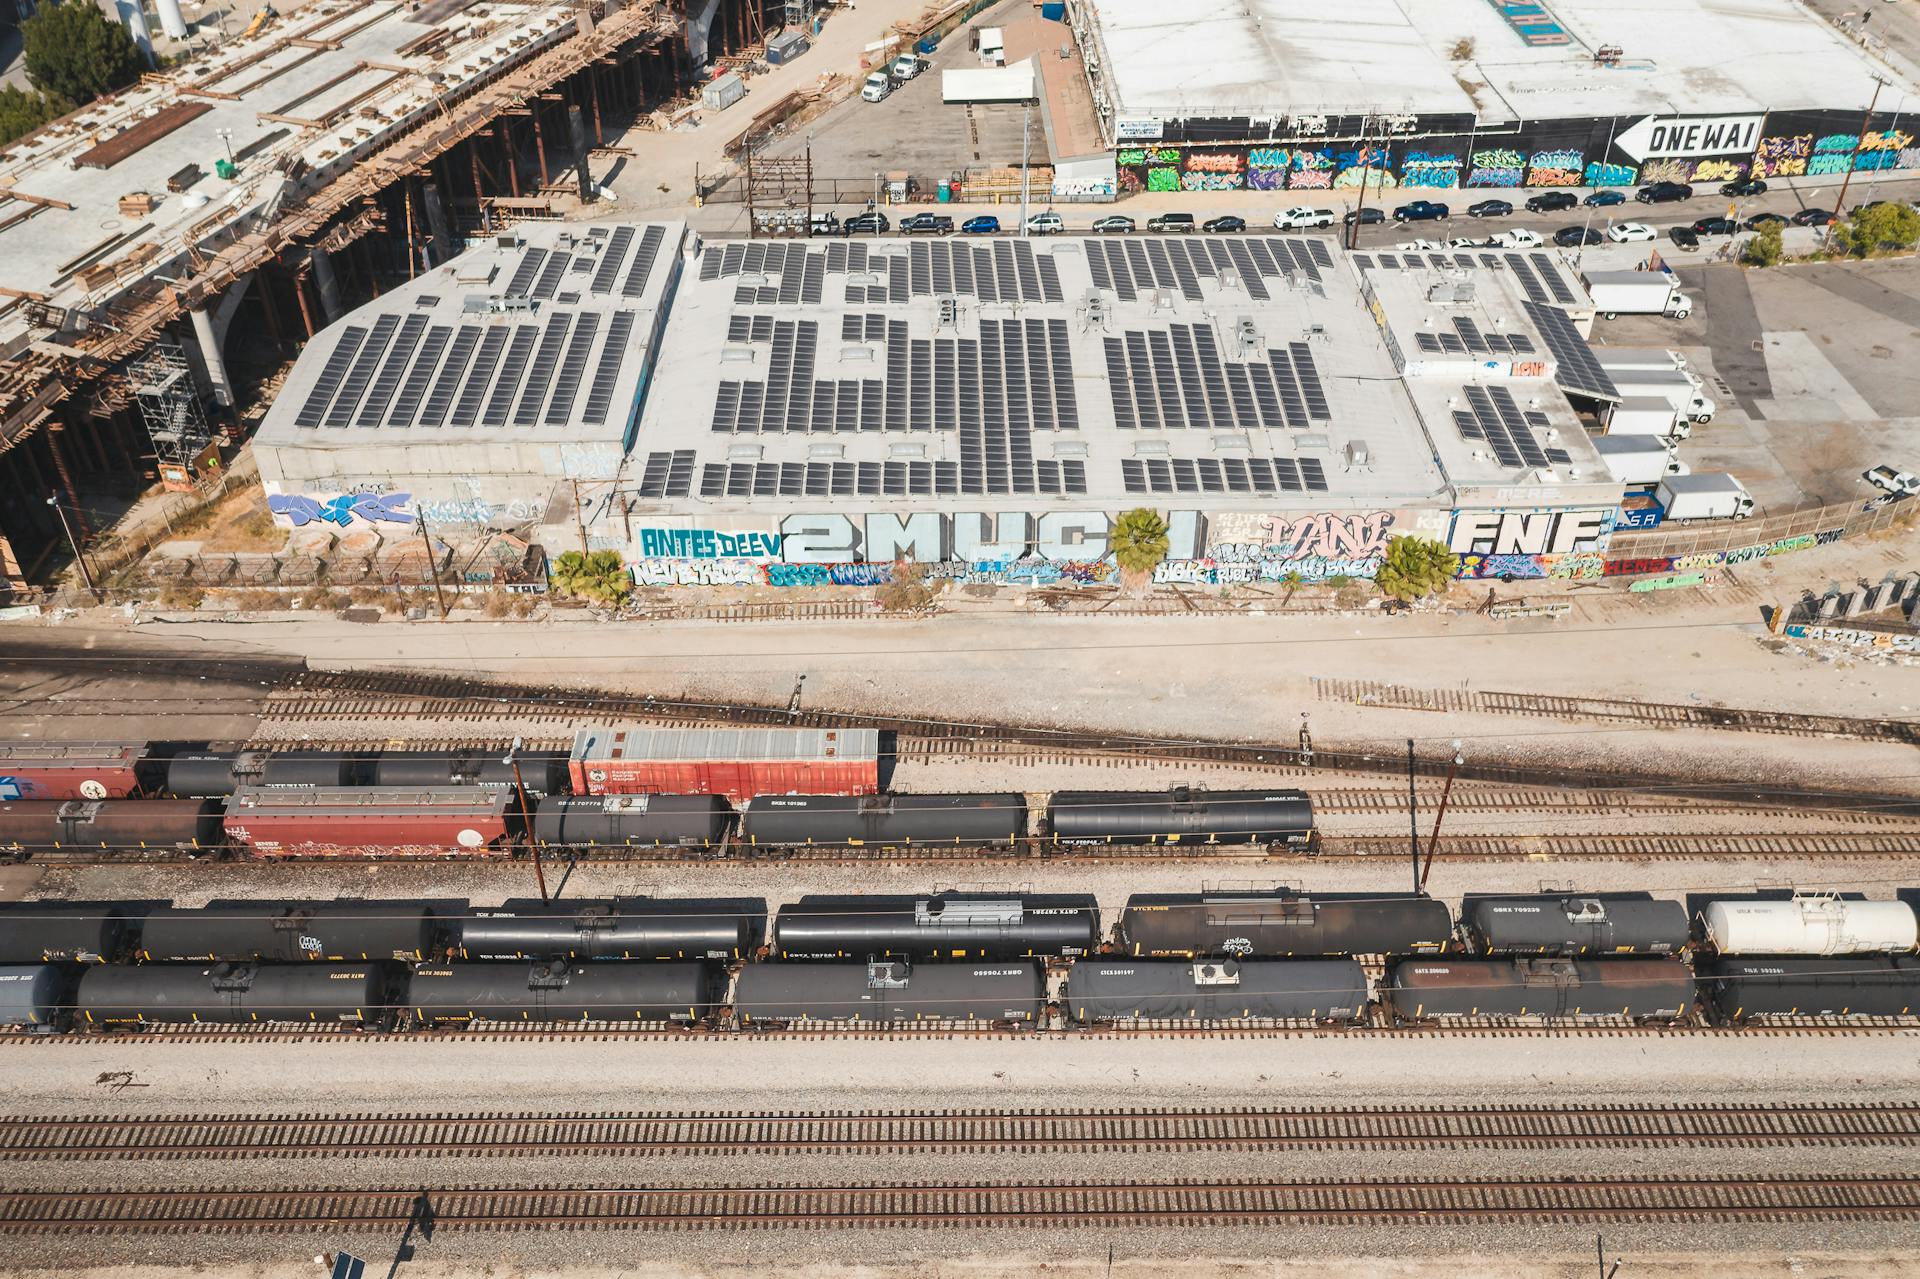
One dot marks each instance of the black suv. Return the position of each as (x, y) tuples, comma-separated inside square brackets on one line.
[(1663, 192), (1552, 202), (1745, 186), (874, 223), (926, 224)]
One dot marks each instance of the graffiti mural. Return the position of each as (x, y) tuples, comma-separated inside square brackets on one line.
[(1497, 167), (1559, 168), (1611, 175), (707, 544), (371, 508), (1719, 171), (1832, 154), (1853, 638), (1430, 169), (1670, 169), (1274, 548), (1313, 169), (696, 573), (1163, 179), (1784, 156), (1213, 162), (1211, 181)]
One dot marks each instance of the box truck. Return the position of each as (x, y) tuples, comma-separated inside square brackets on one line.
[(1629, 358), (1676, 386), (1616, 293), (1646, 416), (1711, 495), (1638, 459)]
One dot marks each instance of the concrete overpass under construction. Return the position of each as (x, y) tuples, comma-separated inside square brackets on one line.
[(274, 183)]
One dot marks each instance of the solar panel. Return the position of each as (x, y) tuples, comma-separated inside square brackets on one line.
[(941, 255), (331, 372), (1288, 387), (1427, 342), (551, 274), (1576, 368), (612, 356), (474, 389), (1187, 363), (709, 270), (1133, 476), (653, 480), (1523, 272), (713, 480), (1050, 280), (1312, 475), (1316, 395), (1066, 409), (1322, 255), (1516, 426), (920, 269), (1186, 477), (734, 259), (415, 387), (650, 241), (546, 361), (1240, 388), (1183, 272), (513, 369), (898, 287), (1028, 269), (1452, 344), (726, 405), (389, 379), (1551, 276), (524, 274), (615, 252), (1116, 260), (1264, 395), (1470, 334), (355, 384), (1519, 344), (452, 372), (1249, 271), (1166, 382), (1264, 258)]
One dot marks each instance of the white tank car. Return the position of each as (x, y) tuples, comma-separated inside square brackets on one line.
[(1811, 926)]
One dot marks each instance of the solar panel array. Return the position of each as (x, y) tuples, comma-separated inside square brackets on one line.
[(1542, 278), (667, 474), (1494, 419), (405, 373), (1127, 267), (1467, 339), (861, 479), (791, 273), (1175, 377), (992, 391), (1577, 369), (1223, 475)]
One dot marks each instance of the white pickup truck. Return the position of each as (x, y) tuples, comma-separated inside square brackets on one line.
[(1302, 219)]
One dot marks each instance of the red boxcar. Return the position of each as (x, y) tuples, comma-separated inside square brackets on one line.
[(70, 770), (737, 763), (408, 821)]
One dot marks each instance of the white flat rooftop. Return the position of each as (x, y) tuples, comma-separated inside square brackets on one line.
[(1271, 58)]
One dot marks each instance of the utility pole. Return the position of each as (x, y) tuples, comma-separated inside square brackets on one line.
[(1360, 209), (1446, 791), (1026, 159), (1413, 817), (526, 822), (580, 519), (79, 556), (1840, 201), (433, 563)]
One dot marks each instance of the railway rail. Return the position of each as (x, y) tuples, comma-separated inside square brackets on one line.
[(1655, 714), (364, 695), (655, 1133), (1664, 1199)]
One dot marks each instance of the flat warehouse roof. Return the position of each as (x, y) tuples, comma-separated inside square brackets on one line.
[(1267, 59), (541, 334), (1086, 370)]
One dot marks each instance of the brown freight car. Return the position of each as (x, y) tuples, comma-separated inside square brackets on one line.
[(40, 826), (69, 770), (404, 821), (737, 763)]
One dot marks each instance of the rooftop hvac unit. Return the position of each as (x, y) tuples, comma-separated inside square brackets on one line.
[(1246, 334), (511, 302), (1358, 455), (949, 313)]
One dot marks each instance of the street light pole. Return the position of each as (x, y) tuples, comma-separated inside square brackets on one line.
[(526, 822), (1853, 161), (79, 556)]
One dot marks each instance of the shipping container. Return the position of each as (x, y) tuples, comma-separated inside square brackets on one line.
[(413, 821), (72, 770), (736, 763)]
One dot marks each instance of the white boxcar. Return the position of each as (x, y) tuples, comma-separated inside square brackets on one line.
[(1811, 926)]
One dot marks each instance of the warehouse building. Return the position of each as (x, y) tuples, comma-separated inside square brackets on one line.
[(823, 409), (483, 392), (1271, 95)]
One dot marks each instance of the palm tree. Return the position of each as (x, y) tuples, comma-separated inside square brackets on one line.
[(599, 576), (1416, 567), (1138, 540), (1293, 580)]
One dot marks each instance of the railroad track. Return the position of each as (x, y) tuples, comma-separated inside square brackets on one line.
[(1630, 847), (1038, 1205), (655, 1133), (363, 695), (1655, 714)]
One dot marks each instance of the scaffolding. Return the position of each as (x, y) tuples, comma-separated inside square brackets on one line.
[(170, 405)]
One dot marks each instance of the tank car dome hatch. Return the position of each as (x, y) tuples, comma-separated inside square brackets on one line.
[(1216, 973)]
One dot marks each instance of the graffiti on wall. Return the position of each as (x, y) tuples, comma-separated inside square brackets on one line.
[(1883, 640), (1430, 169), (1783, 156), (1601, 174), (1274, 548), (1497, 167), (342, 510), (707, 544), (1554, 168)]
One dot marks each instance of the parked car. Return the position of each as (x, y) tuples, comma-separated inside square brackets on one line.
[(1569, 236), (1552, 202), (1301, 218), (1605, 199), (1419, 246), (1663, 192), (1744, 186), (1715, 226), (1224, 223), (926, 224), (872, 222), (1684, 236), (1812, 217), (1421, 211), (1171, 222), (824, 224), (1893, 480), (1490, 209), (907, 66), (876, 88), (1047, 223), (1365, 217), (1759, 220), (985, 224), (1630, 233), (1113, 224)]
